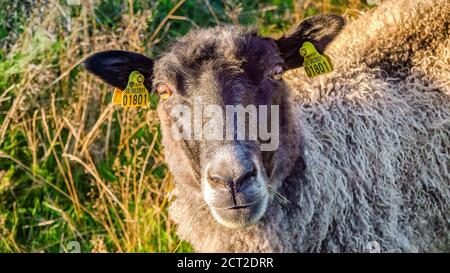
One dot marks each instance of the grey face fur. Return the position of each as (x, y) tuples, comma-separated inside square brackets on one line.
[(226, 66)]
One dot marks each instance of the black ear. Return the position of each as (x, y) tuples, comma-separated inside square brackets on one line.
[(319, 30), (114, 67)]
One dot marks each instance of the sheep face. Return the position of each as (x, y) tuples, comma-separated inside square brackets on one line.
[(211, 72), (207, 80)]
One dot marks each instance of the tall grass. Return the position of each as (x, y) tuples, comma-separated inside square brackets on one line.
[(73, 167)]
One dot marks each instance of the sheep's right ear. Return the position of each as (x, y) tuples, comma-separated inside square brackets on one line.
[(114, 67), (319, 30)]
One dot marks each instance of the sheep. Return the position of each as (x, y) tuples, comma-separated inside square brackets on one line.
[(363, 152)]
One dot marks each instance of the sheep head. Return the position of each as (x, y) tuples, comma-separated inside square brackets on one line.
[(219, 87)]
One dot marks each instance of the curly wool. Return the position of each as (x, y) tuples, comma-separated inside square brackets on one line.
[(377, 142)]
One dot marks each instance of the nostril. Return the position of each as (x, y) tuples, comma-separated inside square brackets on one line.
[(215, 178), (251, 172)]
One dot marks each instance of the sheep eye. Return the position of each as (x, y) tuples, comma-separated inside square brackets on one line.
[(277, 72), (164, 91)]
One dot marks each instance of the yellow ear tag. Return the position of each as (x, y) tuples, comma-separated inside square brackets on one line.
[(117, 97), (135, 94), (165, 96), (314, 63)]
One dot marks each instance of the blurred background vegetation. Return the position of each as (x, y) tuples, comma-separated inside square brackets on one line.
[(75, 170)]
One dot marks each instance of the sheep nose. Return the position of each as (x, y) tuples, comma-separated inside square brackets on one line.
[(224, 174)]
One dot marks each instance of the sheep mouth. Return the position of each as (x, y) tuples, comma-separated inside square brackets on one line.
[(241, 216), (240, 207), (245, 206)]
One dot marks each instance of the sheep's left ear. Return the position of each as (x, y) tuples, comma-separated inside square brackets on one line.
[(114, 67), (319, 30)]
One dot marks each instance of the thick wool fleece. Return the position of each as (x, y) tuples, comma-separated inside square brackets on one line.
[(377, 142)]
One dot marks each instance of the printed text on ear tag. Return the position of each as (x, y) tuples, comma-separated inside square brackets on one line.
[(135, 94), (314, 63)]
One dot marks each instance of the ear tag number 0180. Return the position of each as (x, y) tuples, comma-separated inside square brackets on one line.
[(314, 63), (135, 94)]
